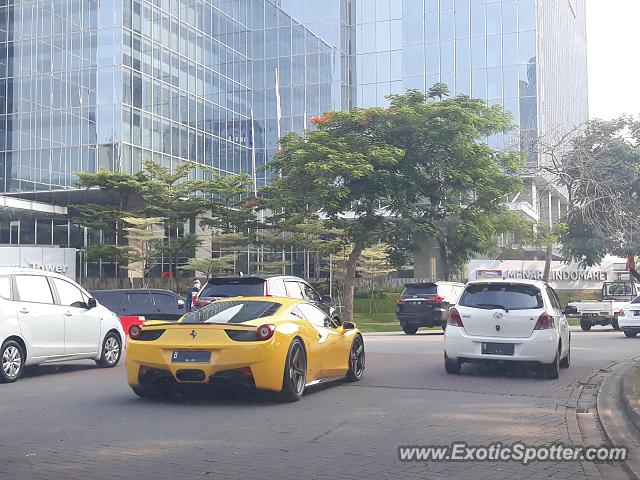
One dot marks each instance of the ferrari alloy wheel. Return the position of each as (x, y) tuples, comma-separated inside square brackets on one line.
[(12, 360), (295, 372), (356, 360), (111, 351)]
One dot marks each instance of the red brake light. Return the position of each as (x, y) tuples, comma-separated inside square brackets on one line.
[(438, 298), (621, 313), (454, 318), (266, 289), (134, 332), (265, 332), (400, 298), (545, 322)]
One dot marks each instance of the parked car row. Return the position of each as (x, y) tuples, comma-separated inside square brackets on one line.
[(46, 317)]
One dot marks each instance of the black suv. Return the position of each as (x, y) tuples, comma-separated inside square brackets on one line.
[(426, 304), (263, 286), (153, 304)]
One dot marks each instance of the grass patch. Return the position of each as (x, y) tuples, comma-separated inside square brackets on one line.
[(636, 383), (383, 318)]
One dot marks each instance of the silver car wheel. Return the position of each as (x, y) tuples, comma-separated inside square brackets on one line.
[(111, 350), (12, 361)]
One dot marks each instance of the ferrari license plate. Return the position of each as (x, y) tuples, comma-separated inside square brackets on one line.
[(497, 348), (190, 356)]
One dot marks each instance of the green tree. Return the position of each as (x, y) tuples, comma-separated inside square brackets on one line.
[(375, 263), (178, 200), (455, 184), (598, 165), (209, 266), (340, 167), (230, 217), (120, 196), (144, 235)]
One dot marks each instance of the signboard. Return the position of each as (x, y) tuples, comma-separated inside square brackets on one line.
[(563, 276), (58, 260)]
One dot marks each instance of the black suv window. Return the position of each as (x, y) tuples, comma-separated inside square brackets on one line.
[(420, 289), (233, 287), (111, 300), (140, 303), (165, 303), (505, 296)]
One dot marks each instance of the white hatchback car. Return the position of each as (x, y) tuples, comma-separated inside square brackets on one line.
[(511, 321), (629, 318), (46, 317)]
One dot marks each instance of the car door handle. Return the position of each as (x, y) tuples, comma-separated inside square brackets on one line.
[(24, 310), (68, 314)]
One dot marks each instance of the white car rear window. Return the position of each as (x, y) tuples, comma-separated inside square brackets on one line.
[(503, 296)]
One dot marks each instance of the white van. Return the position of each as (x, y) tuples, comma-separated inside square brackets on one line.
[(47, 317)]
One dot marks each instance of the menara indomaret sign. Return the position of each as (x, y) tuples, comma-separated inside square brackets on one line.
[(563, 276)]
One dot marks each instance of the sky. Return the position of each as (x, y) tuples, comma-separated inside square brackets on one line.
[(613, 29)]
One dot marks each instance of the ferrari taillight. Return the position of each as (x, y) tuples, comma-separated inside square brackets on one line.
[(134, 332), (265, 332)]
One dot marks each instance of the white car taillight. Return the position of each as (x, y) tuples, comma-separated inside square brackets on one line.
[(454, 318), (545, 322)]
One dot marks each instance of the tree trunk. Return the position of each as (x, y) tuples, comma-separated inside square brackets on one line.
[(444, 257), (547, 264), (371, 298), (350, 280)]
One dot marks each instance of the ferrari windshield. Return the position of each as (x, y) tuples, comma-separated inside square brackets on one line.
[(237, 311)]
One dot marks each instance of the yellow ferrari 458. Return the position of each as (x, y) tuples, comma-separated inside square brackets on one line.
[(277, 344)]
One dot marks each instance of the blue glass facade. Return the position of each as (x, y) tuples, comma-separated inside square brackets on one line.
[(88, 84), (487, 49)]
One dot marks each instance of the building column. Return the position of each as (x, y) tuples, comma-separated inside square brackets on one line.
[(556, 212), (205, 249), (546, 209)]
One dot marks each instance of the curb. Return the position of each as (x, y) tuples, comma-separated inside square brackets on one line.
[(630, 403), (619, 427)]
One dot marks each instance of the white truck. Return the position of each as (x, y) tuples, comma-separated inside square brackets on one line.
[(614, 296)]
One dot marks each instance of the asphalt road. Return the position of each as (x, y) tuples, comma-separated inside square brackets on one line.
[(74, 421)]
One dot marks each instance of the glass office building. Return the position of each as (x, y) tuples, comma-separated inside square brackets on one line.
[(89, 84)]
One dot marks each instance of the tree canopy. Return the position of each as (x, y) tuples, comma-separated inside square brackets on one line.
[(423, 163)]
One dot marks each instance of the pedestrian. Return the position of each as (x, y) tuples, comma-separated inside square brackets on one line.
[(192, 292)]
